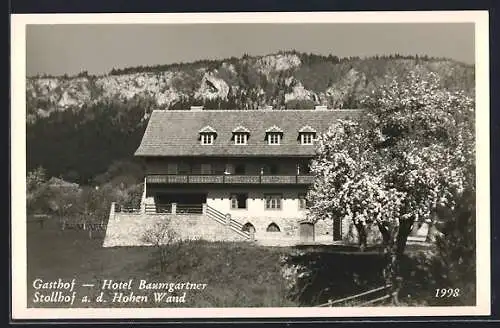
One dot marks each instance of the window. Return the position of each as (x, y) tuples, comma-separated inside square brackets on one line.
[(307, 138), (229, 169), (271, 169), (172, 168), (196, 168), (303, 204), (207, 139), (219, 168), (274, 138), (239, 201), (184, 168), (273, 202), (273, 227), (239, 169), (240, 138), (240, 135), (207, 135), (206, 169)]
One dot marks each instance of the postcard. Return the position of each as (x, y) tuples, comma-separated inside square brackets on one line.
[(250, 165)]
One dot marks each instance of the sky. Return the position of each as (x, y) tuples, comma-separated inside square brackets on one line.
[(69, 49)]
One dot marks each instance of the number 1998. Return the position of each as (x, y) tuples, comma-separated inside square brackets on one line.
[(447, 292)]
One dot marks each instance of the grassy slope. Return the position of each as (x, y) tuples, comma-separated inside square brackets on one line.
[(237, 275)]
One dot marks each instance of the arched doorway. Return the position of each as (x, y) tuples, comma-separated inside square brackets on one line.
[(273, 227), (248, 227)]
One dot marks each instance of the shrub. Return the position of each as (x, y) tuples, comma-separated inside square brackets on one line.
[(163, 238)]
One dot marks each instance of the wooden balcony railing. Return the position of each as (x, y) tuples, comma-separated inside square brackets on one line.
[(229, 179), (205, 179), (242, 179)]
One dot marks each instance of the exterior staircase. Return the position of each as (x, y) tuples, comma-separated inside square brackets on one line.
[(227, 220)]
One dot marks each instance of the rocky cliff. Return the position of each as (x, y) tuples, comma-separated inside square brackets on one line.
[(284, 80)]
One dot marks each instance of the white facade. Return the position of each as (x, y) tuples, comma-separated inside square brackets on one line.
[(256, 204)]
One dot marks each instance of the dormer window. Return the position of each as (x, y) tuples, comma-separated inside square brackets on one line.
[(273, 135), (240, 135), (207, 139), (240, 138), (274, 138), (207, 135), (307, 138), (307, 135)]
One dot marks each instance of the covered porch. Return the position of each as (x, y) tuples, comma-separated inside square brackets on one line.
[(177, 203), (160, 198)]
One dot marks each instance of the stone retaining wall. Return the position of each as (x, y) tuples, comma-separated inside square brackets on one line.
[(128, 229)]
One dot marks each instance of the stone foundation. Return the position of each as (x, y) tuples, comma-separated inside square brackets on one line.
[(128, 229)]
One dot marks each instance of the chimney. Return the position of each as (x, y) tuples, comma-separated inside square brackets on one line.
[(196, 108), (322, 107)]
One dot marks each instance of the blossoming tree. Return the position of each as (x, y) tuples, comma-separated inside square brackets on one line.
[(410, 154)]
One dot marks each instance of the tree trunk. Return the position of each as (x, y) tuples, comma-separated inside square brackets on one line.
[(361, 228), (385, 232), (405, 228), (388, 232), (395, 247)]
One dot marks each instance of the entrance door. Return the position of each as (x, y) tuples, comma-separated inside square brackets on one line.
[(306, 232)]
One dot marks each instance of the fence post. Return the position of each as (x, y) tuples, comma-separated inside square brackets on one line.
[(395, 290), (204, 208), (174, 208), (228, 222)]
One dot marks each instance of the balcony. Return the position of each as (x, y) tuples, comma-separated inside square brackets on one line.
[(230, 179)]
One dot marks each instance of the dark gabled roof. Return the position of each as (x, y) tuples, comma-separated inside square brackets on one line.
[(176, 132)]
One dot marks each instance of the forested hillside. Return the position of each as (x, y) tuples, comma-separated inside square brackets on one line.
[(77, 126)]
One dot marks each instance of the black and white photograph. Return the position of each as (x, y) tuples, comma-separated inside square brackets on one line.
[(250, 165)]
